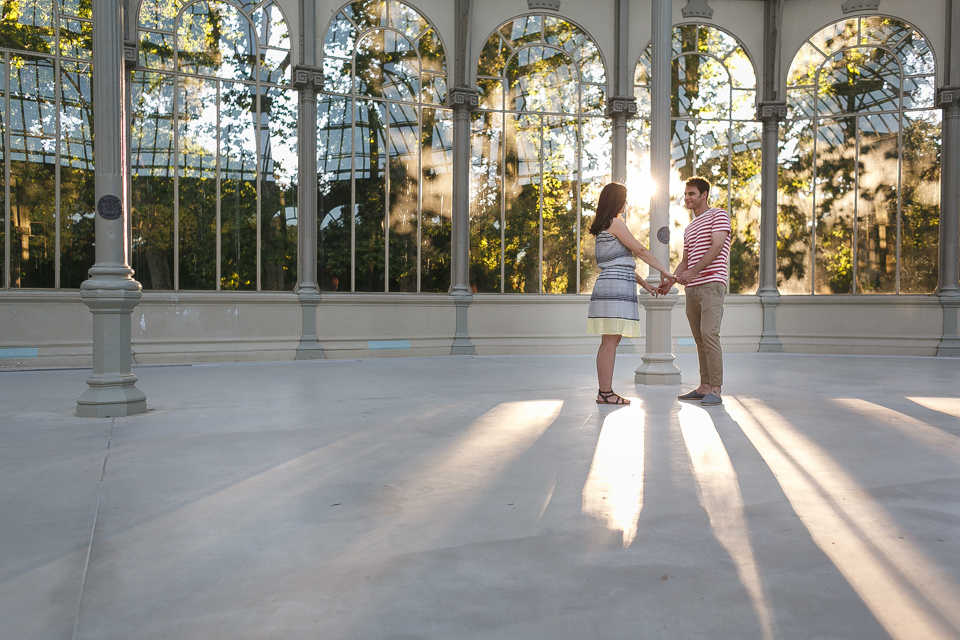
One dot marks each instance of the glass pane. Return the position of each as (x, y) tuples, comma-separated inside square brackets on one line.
[(522, 190), (157, 14), (561, 33), (491, 93), (336, 75), (684, 39), (27, 25), (270, 27), (718, 43), (837, 36), (523, 31), (919, 92), (486, 183), (859, 80), (403, 214), (741, 70), (437, 207), (881, 30), (3, 155), (152, 191), (278, 191), (406, 19), (877, 206), (79, 8), (541, 79), (701, 88), (795, 207), (77, 176), (198, 193), (835, 197), (33, 164), (334, 167), (920, 197), (231, 57), (367, 13), (560, 215), (238, 187), (388, 67), (370, 144), (431, 52), (683, 150), (591, 62), (805, 67), (801, 102), (156, 50), (638, 198), (493, 58), (744, 198), (76, 39), (916, 56), (341, 38), (434, 88)]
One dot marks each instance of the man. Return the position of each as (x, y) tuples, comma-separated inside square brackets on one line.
[(703, 272)]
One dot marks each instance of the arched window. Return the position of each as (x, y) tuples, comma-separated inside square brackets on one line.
[(541, 153), (860, 162), (46, 118), (713, 90), (214, 175), (385, 145)]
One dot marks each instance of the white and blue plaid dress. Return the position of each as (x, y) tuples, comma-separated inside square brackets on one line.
[(613, 305)]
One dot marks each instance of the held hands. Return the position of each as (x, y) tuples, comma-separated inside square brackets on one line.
[(647, 286), (667, 280)]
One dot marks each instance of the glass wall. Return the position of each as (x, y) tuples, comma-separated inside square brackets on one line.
[(541, 154), (714, 134), (214, 153), (860, 163), (385, 148), (46, 118)]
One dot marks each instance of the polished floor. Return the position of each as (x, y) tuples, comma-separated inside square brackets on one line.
[(485, 497)]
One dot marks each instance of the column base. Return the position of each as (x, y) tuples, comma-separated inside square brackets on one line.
[(309, 347), (769, 340), (462, 346), (111, 396), (658, 366), (950, 340)]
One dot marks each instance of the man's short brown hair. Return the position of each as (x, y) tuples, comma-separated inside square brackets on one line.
[(700, 184)]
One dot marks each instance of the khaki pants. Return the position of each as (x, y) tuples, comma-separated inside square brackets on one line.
[(705, 313)]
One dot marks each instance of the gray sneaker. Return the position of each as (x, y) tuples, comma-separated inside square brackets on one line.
[(711, 399)]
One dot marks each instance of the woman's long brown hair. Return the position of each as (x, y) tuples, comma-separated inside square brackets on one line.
[(609, 204)]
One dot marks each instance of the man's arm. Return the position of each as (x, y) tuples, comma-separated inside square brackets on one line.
[(717, 238)]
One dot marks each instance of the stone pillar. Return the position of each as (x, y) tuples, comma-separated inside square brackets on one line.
[(463, 101), (948, 289), (110, 292), (770, 113), (658, 360), (308, 81), (619, 110)]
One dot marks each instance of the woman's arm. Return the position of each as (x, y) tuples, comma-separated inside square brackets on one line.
[(619, 230)]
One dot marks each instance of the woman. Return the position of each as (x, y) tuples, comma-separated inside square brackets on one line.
[(613, 311)]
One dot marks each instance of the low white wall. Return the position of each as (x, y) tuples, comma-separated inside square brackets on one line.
[(54, 328)]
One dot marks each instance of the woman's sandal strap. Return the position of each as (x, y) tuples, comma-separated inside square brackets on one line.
[(608, 397)]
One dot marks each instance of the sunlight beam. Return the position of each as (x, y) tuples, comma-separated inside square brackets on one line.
[(949, 406), (907, 425), (904, 589), (719, 491), (613, 492)]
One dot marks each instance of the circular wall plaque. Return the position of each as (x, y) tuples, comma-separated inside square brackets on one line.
[(109, 207), (663, 235)]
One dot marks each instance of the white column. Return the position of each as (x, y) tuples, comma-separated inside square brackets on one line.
[(308, 81), (948, 98), (110, 293), (658, 360), (770, 114)]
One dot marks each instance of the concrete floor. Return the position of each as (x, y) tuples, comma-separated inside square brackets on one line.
[(485, 497)]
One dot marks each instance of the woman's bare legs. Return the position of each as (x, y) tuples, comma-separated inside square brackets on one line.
[(606, 356)]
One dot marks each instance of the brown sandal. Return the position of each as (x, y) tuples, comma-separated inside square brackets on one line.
[(609, 397)]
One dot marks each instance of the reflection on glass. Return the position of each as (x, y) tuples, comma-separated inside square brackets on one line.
[(795, 208), (28, 25), (77, 252), (278, 190), (539, 78), (713, 135), (874, 174), (383, 159)]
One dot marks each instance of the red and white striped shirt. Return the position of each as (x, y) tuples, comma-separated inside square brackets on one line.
[(696, 243)]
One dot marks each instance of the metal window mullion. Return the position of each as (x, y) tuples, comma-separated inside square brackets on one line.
[(175, 131), (813, 212), (386, 197), (503, 201), (420, 185), (6, 173), (578, 185), (897, 256), (540, 162), (58, 90), (260, 171), (854, 246), (353, 194), (216, 199)]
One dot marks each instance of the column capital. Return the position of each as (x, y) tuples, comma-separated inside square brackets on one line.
[(619, 105), (305, 77), (131, 55), (775, 110), (463, 98), (948, 98), (697, 9)]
